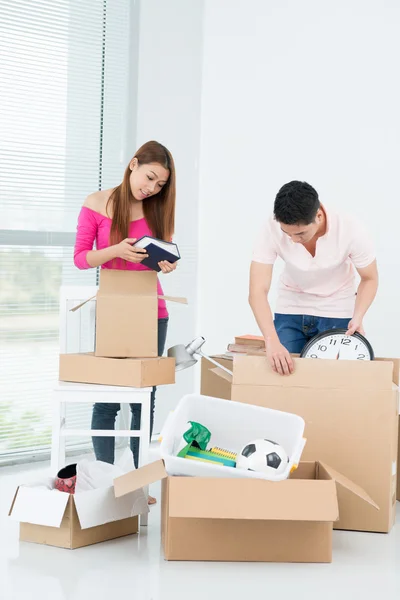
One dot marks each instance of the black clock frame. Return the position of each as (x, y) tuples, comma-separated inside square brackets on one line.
[(337, 331)]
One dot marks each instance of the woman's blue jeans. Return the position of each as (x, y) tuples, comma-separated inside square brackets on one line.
[(104, 414)]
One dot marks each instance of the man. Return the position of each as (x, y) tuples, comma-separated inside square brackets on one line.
[(317, 292)]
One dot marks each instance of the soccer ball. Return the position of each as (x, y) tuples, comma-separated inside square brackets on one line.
[(264, 456)]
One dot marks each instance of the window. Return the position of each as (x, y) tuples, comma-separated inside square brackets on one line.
[(64, 72)]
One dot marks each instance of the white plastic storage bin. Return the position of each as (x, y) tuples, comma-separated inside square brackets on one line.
[(232, 426)]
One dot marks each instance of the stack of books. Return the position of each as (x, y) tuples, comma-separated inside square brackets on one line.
[(252, 345)]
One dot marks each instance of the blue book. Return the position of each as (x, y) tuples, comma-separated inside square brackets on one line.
[(157, 250)]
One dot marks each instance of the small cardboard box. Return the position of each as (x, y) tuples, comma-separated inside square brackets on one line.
[(246, 519), (70, 521), (135, 372), (351, 414), (127, 314)]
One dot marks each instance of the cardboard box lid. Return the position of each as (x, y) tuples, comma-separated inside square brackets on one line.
[(40, 506), (333, 374)]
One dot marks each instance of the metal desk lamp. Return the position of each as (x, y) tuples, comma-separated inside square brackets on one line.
[(187, 356)]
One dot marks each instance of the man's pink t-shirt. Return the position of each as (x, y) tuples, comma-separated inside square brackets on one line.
[(94, 227), (324, 285)]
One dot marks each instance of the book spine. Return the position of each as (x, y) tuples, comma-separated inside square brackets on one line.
[(256, 343), (243, 349)]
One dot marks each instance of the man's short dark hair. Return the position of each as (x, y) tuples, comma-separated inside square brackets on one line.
[(296, 203)]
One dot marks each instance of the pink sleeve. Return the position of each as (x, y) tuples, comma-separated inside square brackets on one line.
[(264, 250), (362, 251), (85, 237)]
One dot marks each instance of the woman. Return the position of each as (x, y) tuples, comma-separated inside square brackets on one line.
[(143, 204)]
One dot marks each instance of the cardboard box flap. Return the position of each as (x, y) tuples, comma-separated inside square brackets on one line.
[(39, 506), (108, 508), (253, 499), (123, 282), (331, 374), (178, 299), (134, 480), (349, 485), (81, 304), (223, 374)]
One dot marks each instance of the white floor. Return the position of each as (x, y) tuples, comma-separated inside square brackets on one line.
[(365, 566)]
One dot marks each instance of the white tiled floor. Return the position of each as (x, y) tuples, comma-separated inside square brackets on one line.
[(365, 566)]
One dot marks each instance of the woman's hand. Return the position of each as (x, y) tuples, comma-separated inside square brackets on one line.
[(167, 267), (127, 251)]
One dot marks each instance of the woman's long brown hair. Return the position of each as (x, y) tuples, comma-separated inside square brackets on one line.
[(159, 210)]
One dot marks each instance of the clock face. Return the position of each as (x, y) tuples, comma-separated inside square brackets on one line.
[(336, 345)]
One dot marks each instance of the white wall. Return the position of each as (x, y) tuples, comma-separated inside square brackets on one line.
[(296, 90), (168, 101)]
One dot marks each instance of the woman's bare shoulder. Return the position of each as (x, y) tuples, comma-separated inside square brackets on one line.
[(98, 201)]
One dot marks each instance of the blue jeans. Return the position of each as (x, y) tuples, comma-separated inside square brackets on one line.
[(104, 414), (294, 331)]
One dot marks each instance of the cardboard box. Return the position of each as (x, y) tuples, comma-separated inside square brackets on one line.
[(351, 414), (71, 521), (135, 372), (247, 519), (127, 314)]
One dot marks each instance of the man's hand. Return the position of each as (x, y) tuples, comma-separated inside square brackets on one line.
[(355, 325), (365, 295), (278, 357)]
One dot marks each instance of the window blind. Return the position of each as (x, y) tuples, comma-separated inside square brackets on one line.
[(64, 105)]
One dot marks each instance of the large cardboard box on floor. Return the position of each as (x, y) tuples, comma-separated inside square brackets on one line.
[(135, 372), (127, 314), (54, 518), (351, 414), (232, 519)]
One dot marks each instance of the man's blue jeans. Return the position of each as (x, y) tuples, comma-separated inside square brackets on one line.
[(294, 331), (104, 415)]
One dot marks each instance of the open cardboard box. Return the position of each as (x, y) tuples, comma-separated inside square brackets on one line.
[(233, 519), (135, 372), (351, 412), (71, 521), (127, 313)]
